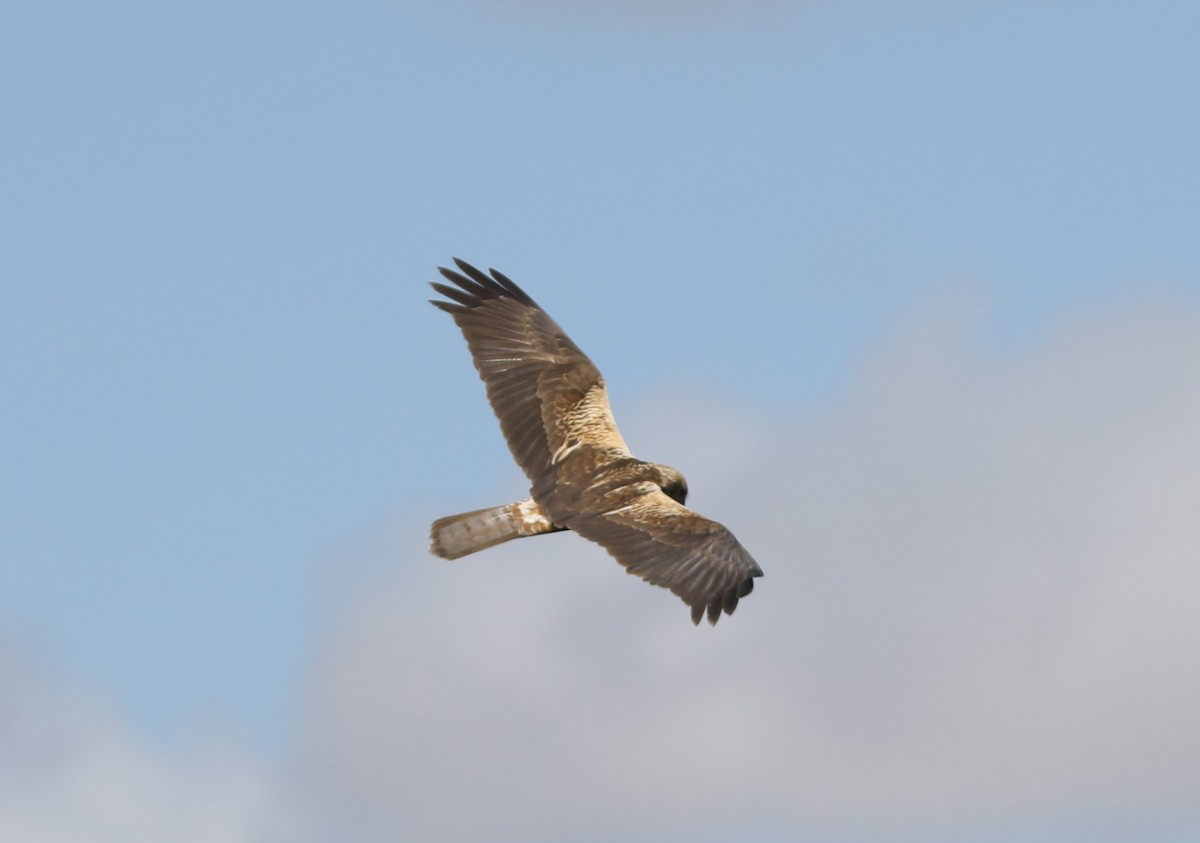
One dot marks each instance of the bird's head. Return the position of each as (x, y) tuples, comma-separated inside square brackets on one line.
[(673, 484)]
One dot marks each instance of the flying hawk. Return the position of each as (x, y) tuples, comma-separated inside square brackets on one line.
[(554, 412)]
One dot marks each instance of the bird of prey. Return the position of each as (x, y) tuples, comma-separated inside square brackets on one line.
[(554, 412)]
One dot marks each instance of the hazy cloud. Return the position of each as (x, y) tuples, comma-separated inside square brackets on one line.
[(978, 617), (70, 772)]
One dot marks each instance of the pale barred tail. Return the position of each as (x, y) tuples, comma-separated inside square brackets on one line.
[(467, 532)]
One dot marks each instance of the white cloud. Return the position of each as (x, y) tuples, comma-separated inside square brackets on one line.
[(71, 772), (978, 616)]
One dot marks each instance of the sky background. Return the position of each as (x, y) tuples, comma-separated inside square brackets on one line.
[(909, 291)]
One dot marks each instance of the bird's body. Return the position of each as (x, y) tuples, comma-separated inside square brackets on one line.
[(553, 409)]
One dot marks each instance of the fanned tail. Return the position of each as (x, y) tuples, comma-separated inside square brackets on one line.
[(458, 535)]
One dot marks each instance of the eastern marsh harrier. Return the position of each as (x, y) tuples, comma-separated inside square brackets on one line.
[(554, 412)]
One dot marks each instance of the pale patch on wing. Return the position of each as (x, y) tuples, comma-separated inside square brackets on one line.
[(579, 423), (590, 421)]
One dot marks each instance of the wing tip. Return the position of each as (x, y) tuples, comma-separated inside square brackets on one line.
[(449, 307), (476, 287), (712, 610), (726, 601)]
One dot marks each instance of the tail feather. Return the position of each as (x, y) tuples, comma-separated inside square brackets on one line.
[(468, 532)]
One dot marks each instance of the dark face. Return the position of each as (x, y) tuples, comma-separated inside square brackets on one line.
[(676, 489)]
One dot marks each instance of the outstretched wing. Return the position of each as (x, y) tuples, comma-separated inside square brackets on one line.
[(549, 397), (669, 545)]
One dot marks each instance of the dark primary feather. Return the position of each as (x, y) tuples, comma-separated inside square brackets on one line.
[(477, 287)]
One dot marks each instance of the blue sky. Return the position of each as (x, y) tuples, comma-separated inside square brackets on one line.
[(230, 414)]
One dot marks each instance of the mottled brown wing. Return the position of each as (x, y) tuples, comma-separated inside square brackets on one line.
[(669, 545), (547, 394)]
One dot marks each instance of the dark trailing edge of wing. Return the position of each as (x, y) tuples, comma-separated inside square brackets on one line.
[(475, 287), (727, 600)]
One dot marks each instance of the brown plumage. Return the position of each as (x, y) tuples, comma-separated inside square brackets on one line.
[(554, 412)]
